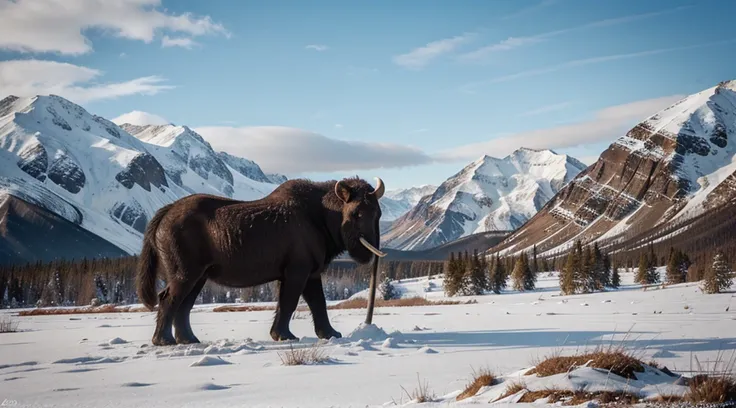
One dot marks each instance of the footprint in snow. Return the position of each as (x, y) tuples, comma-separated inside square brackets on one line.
[(212, 387), (136, 384)]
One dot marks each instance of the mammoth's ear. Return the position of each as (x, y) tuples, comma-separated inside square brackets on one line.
[(342, 190)]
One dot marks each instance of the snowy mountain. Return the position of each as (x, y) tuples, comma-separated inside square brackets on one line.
[(674, 166), (396, 203), (106, 178), (489, 194)]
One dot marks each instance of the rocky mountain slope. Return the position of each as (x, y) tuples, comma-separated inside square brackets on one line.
[(489, 194), (675, 165), (110, 179), (396, 203)]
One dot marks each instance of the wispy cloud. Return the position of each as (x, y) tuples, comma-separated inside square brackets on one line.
[(182, 42), (422, 130), (59, 26), (317, 47), (606, 125), (76, 83), (518, 42), (419, 57), (338, 126), (473, 86), (546, 109), (290, 150)]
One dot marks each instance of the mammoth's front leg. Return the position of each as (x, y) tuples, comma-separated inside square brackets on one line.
[(290, 289), (314, 295)]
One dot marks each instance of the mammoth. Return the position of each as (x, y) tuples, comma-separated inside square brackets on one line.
[(289, 236)]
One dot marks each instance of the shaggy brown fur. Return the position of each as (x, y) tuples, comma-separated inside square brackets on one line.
[(291, 235)]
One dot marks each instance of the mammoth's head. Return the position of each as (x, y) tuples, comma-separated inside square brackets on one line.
[(360, 215)]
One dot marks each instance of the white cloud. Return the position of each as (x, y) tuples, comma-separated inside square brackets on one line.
[(182, 42), (546, 109), (420, 57), (76, 83), (518, 42), (338, 126), (526, 10), (473, 86), (59, 26), (422, 130), (123, 55), (317, 47), (290, 150), (607, 125), (139, 118)]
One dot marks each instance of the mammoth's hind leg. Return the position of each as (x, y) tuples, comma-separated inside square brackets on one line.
[(182, 327), (314, 295), (170, 299)]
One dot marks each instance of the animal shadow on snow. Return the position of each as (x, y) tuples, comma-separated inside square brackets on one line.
[(539, 338)]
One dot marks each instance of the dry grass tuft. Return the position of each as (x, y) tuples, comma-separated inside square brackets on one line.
[(243, 308), (83, 310), (512, 389), (361, 303), (616, 361), (421, 394), (711, 389), (8, 324), (567, 397), (482, 378), (304, 356)]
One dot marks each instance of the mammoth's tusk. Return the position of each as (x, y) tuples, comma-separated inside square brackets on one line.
[(380, 188), (372, 248)]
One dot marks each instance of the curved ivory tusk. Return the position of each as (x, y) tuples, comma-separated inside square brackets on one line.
[(380, 188), (372, 248)]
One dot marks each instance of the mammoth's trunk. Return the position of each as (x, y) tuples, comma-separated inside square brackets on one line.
[(372, 291)]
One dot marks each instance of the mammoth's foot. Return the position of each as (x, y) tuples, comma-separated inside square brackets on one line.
[(328, 333), (163, 340), (187, 339), (282, 335)]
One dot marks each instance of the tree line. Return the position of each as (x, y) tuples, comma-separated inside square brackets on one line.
[(112, 280)]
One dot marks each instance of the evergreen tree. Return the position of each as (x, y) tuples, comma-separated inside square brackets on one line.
[(615, 277), (641, 273), (387, 289), (535, 264), (498, 276), (571, 271), (478, 277), (606, 273), (587, 273), (675, 267), (522, 276), (718, 276)]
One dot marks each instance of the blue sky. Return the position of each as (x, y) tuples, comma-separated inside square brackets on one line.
[(409, 91)]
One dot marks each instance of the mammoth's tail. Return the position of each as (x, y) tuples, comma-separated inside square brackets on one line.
[(148, 262)]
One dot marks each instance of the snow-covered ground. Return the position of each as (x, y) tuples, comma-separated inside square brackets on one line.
[(106, 360)]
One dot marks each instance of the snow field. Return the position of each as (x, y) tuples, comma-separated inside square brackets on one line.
[(107, 360)]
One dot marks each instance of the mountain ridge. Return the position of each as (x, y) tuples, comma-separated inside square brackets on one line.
[(488, 194)]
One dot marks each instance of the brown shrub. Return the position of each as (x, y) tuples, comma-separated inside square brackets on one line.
[(512, 389), (83, 310), (361, 303), (303, 356), (482, 378), (242, 308), (8, 324), (421, 394), (711, 389), (568, 397), (617, 361)]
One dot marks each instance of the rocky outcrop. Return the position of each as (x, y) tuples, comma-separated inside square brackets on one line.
[(143, 170), (662, 169)]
